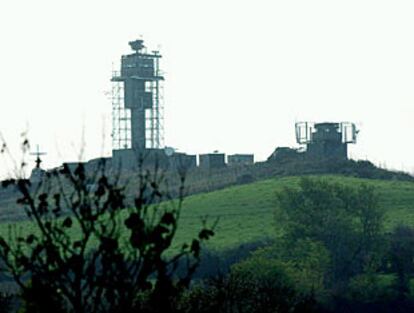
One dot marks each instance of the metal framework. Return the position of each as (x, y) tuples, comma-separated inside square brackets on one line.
[(140, 77), (349, 132), (304, 131), (121, 117), (155, 117)]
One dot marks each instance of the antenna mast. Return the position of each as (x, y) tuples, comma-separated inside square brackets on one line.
[(38, 154)]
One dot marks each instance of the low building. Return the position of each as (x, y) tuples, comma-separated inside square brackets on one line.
[(282, 154), (240, 159), (182, 161), (130, 159), (212, 160)]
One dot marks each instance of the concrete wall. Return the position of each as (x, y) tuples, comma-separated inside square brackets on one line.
[(182, 161), (240, 159), (326, 142), (129, 159), (212, 160), (327, 150)]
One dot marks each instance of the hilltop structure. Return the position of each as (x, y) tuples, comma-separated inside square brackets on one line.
[(138, 118), (137, 112), (137, 106), (138, 131), (212, 160), (240, 159), (138, 125), (326, 140), (319, 141)]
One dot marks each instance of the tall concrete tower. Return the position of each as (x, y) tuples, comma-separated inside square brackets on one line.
[(137, 104)]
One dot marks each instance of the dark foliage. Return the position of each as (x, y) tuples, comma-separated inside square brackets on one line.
[(217, 263), (255, 285), (401, 257), (94, 252), (360, 169), (346, 220), (385, 306), (6, 302), (245, 179)]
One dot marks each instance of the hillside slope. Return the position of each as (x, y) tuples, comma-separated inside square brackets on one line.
[(247, 213)]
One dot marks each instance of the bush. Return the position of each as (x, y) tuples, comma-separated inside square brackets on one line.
[(261, 284), (346, 220), (257, 284), (92, 251), (401, 257), (309, 261), (369, 288), (217, 263)]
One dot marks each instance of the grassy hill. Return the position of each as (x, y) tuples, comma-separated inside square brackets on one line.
[(246, 213)]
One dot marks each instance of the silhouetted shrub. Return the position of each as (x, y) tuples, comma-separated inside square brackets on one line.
[(91, 251)]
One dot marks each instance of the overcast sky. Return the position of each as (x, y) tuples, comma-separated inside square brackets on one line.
[(238, 73)]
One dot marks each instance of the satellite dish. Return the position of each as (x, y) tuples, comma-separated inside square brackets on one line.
[(169, 151)]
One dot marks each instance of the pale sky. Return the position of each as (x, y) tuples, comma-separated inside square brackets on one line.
[(238, 73)]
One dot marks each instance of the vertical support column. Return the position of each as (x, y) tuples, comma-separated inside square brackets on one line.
[(121, 118), (138, 128), (115, 117), (158, 108)]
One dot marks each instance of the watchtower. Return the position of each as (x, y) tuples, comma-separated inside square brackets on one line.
[(326, 140), (137, 101)]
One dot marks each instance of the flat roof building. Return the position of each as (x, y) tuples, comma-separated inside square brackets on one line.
[(212, 160), (240, 159)]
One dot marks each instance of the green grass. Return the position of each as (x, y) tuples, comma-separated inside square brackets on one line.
[(246, 213)]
